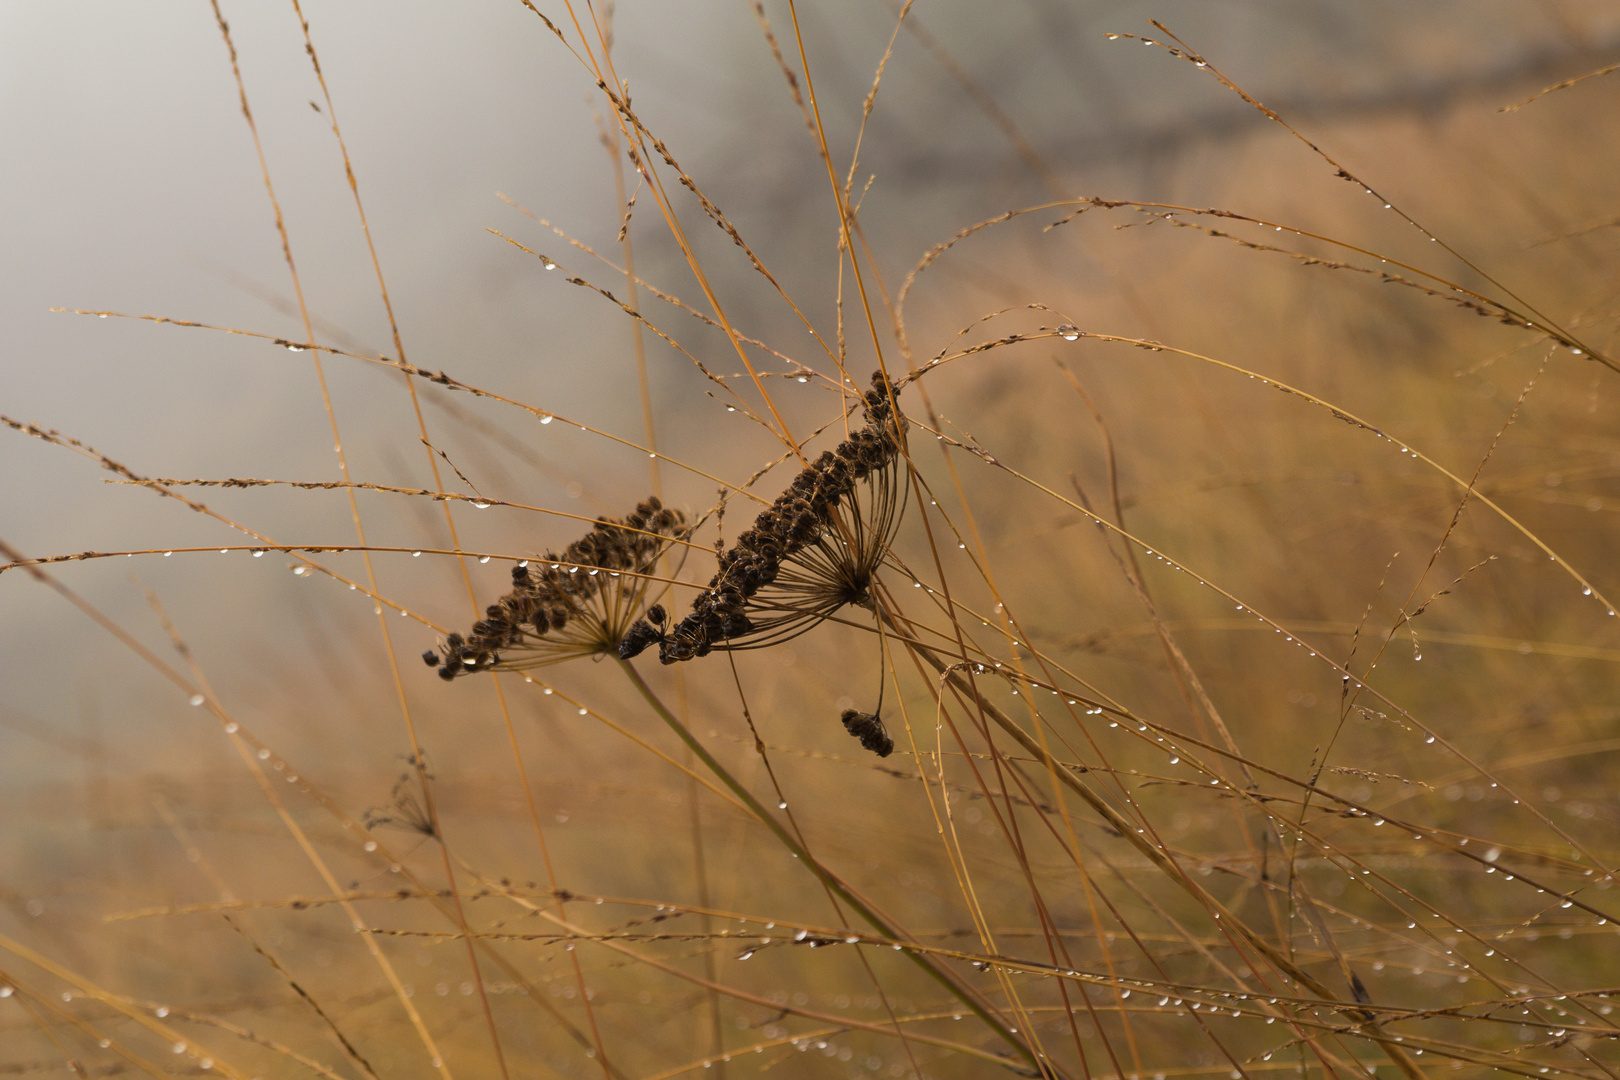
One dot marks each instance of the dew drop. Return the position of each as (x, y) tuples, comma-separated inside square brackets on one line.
[(258, 554), (546, 419), (485, 559), (480, 505), (232, 727)]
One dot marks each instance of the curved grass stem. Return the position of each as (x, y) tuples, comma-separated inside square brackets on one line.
[(1161, 858), (1040, 1066)]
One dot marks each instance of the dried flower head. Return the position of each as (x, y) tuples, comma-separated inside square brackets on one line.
[(579, 603), (813, 551)]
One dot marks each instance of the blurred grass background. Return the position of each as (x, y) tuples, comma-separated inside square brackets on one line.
[(136, 191)]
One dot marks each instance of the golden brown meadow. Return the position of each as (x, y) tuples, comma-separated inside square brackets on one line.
[(1242, 617)]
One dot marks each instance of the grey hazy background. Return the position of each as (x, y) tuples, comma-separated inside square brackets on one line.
[(128, 182)]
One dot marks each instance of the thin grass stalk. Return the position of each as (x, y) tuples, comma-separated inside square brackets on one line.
[(831, 881), (244, 742), (632, 131), (199, 859), (1163, 861), (343, 463), (417, 756)]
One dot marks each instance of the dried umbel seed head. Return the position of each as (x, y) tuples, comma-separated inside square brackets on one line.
[(868, 728), (815, 549), (578, 603)]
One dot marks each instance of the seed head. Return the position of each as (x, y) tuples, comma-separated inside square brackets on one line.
[(814, 550), (578, 603), (868, 728)]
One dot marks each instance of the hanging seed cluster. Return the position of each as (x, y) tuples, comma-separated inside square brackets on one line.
[(794, 521), (546, 595), (869, 728)]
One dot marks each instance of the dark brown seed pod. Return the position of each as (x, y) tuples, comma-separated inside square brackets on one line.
[(642, 635), (868, 728)]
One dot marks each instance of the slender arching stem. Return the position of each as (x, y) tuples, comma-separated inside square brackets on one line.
[(979, 1008), (1122, 825)]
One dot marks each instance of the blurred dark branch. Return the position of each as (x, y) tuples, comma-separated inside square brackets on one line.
[(1130, 139)]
